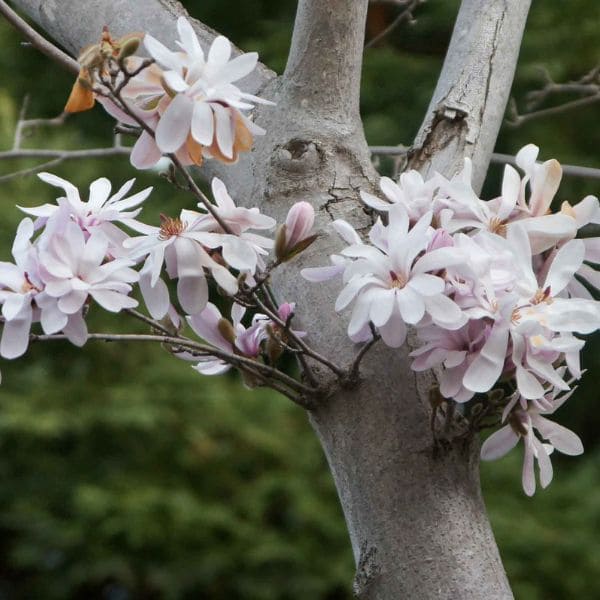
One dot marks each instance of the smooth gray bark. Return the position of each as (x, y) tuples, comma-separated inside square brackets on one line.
[(468, 104), (415, 515)]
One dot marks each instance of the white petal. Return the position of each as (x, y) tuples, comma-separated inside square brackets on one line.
[(192, 293), (484, 371), (161, 54), (203, 129), (224, 129), (175, 81), (393, 333), (563, 439), (410, 304), (567, 260), (237, 68), (15, 337), (145, 153), (99, 193)]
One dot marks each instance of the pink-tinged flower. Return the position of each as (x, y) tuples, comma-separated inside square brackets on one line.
[(543, 228), (20, 284), (98, 213), (412, 192), (454, 351), (74, 269), (230, 336), (180, 244), (465, 210), (192, 104), (241, 249), (521, 424), (293, 236), (390, 282)]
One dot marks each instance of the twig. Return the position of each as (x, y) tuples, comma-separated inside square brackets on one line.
[(498, 158), (588, 85), (355, 368), (299, 341), (149, 321), (406, 14), (516, 120), (37, 40)]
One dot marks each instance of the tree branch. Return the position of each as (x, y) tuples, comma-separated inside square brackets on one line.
[(265, 372), (325, 61), (37, 40), (76, 23), (467, 107)]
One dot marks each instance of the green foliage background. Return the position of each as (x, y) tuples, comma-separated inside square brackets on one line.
[(124, 474)]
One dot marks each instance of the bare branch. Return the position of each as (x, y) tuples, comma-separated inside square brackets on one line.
[(405, 15), (467, 107), (588, 86), (37, 40), (497, 158)]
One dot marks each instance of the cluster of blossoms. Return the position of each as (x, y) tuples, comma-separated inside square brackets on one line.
[(495, 289), (76, 252), (188, 100)]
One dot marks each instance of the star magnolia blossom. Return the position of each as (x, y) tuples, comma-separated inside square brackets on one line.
[(194, 244), (99, 213), (523, 418), (391, 283), (232, 336), (190, 101)]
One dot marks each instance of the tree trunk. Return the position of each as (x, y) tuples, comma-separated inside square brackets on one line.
[(413, 506)]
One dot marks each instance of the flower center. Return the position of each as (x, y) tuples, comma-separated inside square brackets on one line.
[(497, 226), (170, 227), (515, 317), (542, 296), (397, 281), (28, 286)]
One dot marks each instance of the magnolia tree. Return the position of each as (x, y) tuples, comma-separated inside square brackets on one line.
[(418, 313)]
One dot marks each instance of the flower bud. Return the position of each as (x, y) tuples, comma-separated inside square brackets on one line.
[(128, 45), (226, 330), (292, 237)]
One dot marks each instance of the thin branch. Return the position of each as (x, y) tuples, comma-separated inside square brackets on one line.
[(497, 158), (516, 119), (37, 40), (181, 344), (154, 324), (405, 15)]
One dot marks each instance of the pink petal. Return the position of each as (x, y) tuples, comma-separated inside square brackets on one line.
[(499, 443), (174, 125), (145, 153)]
